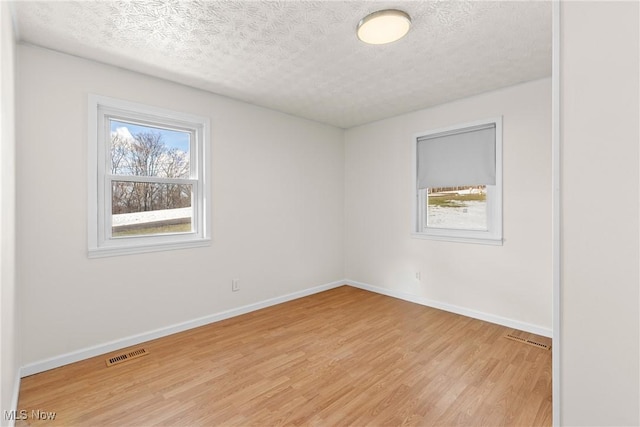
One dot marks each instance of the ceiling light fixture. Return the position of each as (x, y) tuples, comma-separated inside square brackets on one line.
[(384, 26)]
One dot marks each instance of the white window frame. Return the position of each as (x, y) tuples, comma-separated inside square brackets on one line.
[(100, 110), (493, 234)]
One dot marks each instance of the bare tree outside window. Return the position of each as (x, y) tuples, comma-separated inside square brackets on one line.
[(141, 207)]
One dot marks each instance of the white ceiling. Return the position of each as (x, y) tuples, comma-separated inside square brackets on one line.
[(303, 57)]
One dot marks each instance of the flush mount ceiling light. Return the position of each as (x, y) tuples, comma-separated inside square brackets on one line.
[(384, 26)]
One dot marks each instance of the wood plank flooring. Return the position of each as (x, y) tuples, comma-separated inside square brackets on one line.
[(340, 357)]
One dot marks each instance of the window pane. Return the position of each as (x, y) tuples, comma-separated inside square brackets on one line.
[(149, 151), (463, 208), (144, 208)]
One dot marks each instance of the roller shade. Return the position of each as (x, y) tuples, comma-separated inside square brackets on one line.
[(457, 158)]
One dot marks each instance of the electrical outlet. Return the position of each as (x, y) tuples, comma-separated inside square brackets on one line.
[(417, 275), (235, 285)]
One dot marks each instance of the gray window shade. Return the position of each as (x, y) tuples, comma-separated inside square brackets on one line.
[(458, 158)]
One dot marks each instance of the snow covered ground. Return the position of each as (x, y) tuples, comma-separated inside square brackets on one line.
[(473, 216), (150, 216)]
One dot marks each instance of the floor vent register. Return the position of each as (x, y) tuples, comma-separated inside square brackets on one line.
[(528, 341), (125, 357)]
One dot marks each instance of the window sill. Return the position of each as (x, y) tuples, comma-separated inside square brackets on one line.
[(460, 239), (132, 249)]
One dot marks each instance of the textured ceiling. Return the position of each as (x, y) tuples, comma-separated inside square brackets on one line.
[(303, 57)]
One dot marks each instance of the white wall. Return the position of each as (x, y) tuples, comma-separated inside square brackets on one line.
[(8, 322), (277, 211), (599, 73), (512, 281)]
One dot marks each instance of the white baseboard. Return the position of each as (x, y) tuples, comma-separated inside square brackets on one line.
[(97, 350), (14, 399), (491, 318)]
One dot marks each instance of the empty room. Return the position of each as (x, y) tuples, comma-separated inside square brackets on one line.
[(319, 213)]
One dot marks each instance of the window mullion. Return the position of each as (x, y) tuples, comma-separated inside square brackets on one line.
[(151, 179)]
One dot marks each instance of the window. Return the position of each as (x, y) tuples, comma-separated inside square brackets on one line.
[(458, 183), (148, 180)]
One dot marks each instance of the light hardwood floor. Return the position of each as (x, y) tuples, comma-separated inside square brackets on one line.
[(340, 357)]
